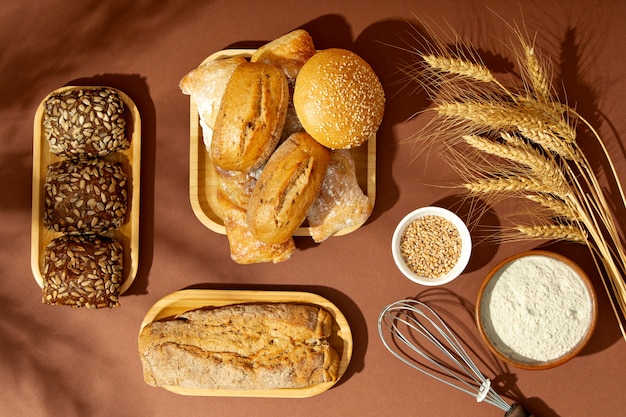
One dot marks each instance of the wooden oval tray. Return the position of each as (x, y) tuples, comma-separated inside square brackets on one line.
[(130, 159), (185, 300), (203, 180)]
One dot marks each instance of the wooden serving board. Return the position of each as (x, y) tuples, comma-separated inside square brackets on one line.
[(203, 180), (185, 300), (130, 159)]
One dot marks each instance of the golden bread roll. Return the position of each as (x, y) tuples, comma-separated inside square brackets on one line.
[(240, 347), (206, 85), (286, 188), (233, 193), (339, 99), (289, 53), (251, 117), (340, 203)]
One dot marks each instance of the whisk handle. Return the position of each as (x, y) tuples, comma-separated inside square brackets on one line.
[(516, 410)]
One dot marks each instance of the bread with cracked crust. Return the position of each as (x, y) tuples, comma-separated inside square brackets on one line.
[(241, 347)]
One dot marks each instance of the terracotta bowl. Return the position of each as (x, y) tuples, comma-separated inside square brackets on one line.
[(526, 307)]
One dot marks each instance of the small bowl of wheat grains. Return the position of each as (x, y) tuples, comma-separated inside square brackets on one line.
[(431, 246)]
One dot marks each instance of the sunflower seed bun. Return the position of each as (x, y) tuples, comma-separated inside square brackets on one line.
[(339, 99)]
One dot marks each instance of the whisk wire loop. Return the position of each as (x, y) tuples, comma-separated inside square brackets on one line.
[(406, 319)]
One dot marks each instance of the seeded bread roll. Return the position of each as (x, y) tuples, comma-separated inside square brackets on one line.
[(340, 203), (339, 99), (85, 196), (82, 271), (240, 347), (206, 85), (251, 117), (85, 123), (286, 188)]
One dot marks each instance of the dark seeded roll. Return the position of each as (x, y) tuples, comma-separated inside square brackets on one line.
[(85, 123), (85, 196), (82, 271)]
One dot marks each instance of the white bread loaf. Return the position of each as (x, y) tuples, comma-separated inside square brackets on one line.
[(206, 85)]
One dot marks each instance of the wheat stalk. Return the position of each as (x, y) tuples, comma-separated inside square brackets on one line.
[(532, 137)]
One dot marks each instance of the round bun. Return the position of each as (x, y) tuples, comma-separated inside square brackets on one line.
[(339, 99)]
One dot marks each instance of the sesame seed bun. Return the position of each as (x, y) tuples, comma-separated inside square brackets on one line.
[(339, 99)]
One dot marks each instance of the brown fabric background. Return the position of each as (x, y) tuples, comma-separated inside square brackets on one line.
[(59, 361)]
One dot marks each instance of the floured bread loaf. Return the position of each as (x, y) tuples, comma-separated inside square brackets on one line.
[(206, 85), (340, 203), (241, 347)]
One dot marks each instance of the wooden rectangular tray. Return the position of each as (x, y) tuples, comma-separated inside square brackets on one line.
[(185, 300), (130, 159), (203, 180)]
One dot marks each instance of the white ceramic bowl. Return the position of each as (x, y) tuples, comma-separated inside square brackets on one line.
[(466, 246)]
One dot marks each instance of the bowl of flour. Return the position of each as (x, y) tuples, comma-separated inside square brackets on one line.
[(536, 309)]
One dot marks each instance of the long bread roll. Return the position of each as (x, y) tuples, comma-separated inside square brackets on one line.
[(287, 188), (251, 117), (240, 347)]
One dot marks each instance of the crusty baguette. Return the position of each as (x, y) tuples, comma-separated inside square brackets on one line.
[(171, 364), (251, 117), (240, 346), (287, 187)]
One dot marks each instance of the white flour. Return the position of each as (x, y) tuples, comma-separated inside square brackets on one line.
[(536, 309)]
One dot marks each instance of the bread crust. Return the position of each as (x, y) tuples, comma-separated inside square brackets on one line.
[(289, 53), (241, 346), (286, 188), (251, 117)]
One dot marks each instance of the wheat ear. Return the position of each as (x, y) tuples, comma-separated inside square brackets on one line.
[(554, 232)]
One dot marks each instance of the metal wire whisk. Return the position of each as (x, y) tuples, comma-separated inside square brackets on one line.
[(409, 323)]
